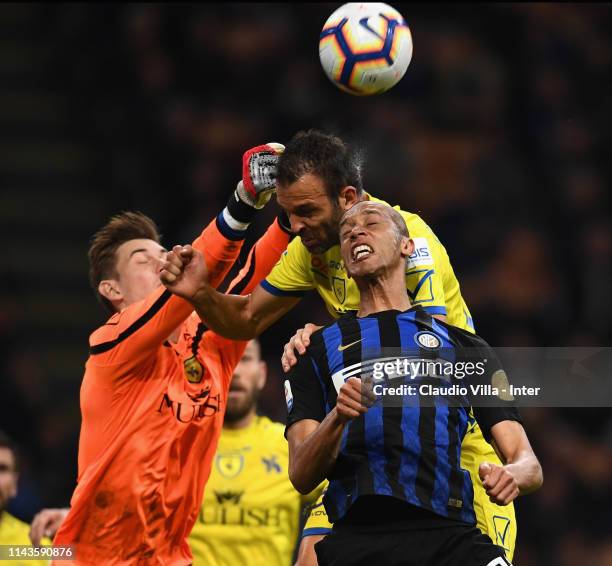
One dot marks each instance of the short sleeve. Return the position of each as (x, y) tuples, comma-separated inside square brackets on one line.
[(291, 276), (494, 375), (304, 392), (425, 273), (317, 521)]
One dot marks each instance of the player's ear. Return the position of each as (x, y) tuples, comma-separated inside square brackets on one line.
[(263, 375), (13, 490), (348, 197), (406, 247), (110, 290)]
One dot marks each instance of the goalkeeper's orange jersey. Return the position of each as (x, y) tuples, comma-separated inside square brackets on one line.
[(152, 413)]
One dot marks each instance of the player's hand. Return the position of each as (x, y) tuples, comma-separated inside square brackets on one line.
[(299, 342), (46, 523), (184, 272), (354, 398), (499, 483), (259, 174)]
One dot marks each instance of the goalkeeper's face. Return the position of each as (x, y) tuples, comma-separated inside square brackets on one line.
[(138, 265), (313, 214), (248, 380)]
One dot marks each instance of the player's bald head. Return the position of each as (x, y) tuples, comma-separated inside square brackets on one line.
[(386, 211)]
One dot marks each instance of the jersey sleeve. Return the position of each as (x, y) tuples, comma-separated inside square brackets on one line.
[(317, 521), (261, 260), (291, 276), (494, 375), (264, 254), (220, 245), (305, 392), (130, 335), (425, 271)]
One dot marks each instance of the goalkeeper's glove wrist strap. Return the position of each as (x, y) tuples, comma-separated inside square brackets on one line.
[(240, 210)]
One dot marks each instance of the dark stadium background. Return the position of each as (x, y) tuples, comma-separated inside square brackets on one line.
[(499, 136)]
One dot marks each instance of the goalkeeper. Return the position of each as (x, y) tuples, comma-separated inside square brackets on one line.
[(155, 387), (317, 181)]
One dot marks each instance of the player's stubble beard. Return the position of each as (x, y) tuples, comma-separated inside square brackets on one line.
[(237, 411), (329, 230)]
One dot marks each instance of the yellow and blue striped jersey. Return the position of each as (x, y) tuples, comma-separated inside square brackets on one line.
[(250, 513), (430, 279)]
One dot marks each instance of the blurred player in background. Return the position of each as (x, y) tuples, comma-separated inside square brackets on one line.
[(155, 386), (397, 493), (318, 179), (12, 530), (251, 512)]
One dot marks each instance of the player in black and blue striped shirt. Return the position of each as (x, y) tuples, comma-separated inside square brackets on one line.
[(397, 493)]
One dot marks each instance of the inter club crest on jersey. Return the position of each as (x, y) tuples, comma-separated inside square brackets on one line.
[(193, 370)]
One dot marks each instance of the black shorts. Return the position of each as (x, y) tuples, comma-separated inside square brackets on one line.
[(460, 545)]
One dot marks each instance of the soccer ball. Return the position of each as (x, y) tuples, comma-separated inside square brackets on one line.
[(365, 48)]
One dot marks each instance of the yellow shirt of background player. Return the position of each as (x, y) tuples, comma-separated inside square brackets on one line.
[(430, 279), (251, 512), (14, 532)]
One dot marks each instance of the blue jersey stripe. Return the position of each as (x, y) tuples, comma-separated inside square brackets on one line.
[(467, 512), (409, 459), (315, 531), (373, 422), (332, 338), (439, 498), (323, 388), (280, 292), (436, 310), (228, 231)]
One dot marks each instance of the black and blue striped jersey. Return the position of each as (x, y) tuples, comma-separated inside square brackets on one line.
[(408, 449)]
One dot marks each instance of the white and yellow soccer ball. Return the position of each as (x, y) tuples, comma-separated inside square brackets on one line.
[(365, 48)]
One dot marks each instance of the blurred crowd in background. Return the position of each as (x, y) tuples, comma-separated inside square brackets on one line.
[(496, 136)]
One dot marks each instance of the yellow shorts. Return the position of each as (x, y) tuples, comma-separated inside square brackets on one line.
[(499, 523), (493, 520)]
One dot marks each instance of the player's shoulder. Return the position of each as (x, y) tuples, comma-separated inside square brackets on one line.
[(296, 249), (271, 432), (417, 227), (15, 526), (318, 338), (463, 337), (110, 330)]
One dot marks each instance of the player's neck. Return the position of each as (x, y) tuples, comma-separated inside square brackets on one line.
[(241, 423), (382, 293)]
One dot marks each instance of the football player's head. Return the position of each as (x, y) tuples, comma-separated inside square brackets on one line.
[(374, 241), (318, 179), (125, 260), (8, 471), (248, 380)]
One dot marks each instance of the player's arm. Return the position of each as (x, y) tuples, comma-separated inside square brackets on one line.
[(307, 555), (521, 472), (236, 317), (46, 523), (129, 336), (262, 257), (242, 318), (316, 528), (314, 443)]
